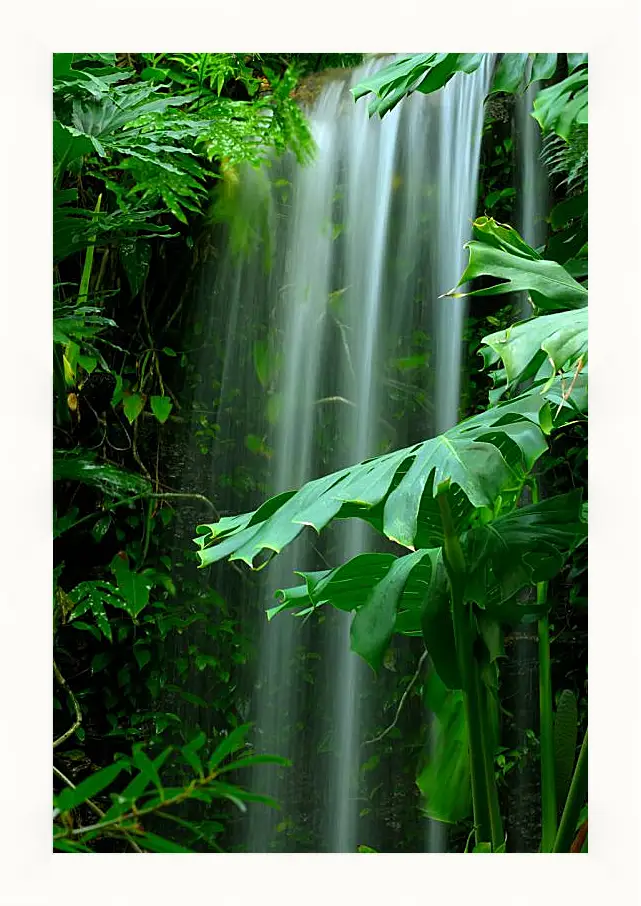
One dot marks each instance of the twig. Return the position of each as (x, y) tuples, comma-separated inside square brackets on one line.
[(63, 682), (136, 813), (565, 396), (400, 704), (94, 808), (134, 497)]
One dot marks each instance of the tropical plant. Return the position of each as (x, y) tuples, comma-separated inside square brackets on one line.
[(131, 814), (453, 501), (558, 108)]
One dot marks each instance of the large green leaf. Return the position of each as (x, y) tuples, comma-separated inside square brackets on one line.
[(548, 283), (351, 586), (417, 72), (411, 593), (561, 338), (564, 105), (374, 622), (524, 547), (444, 781), (438, 627), (510, 73), (481, 457), (107, 477), (544, 66)]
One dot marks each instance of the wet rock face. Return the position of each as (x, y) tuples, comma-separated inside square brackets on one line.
[(499, 107)]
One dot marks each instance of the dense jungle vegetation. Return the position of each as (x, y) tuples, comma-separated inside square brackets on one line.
[(150, 744)]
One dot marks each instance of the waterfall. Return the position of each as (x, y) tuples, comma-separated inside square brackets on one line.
[(339, 349)]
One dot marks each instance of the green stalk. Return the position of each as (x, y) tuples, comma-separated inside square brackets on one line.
[(549, 808), (574, 802), (496, 823), (463, 637), (548, 776), (86, 271)]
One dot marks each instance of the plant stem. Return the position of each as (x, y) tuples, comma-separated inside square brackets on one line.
[(169, 495), (496, 824), (76, 707), (548, 778), (408, 689), (94, 808), (463, 637), (574, 802)]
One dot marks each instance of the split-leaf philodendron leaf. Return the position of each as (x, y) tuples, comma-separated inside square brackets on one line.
[(561, 338), (410, 594), (498, 251), (481, 458)]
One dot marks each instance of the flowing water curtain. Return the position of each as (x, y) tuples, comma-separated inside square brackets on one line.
[(330, 357)]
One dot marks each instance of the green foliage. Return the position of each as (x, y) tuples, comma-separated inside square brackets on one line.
[(563, 106), (417, 72), (498, 251), (565, 739), (444, 781), (482, 457), (135, 810), (458, 492), (558, 108)]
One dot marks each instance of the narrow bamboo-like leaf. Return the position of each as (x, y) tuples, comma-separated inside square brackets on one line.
[(135, 788), (155, 844), (230, 744), (146, 766), (94, 784)]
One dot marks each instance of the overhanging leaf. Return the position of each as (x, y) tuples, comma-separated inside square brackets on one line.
[(549, 284), (445, 781), (510, 73), (524, 547), (481, 456), (562, 338), (374, 622), (562, 106)]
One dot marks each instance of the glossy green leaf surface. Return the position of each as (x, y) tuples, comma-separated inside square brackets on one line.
[(562, 338), (480, 457)]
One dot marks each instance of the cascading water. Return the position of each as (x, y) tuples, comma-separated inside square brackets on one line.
[(338, 351)]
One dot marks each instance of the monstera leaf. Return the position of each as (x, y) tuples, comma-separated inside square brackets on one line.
[(388, 594), (498, 251), (565, 105), (561, 339), (522, 548), (444, 781), (425, 72), (410, 594), (481, 458)]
